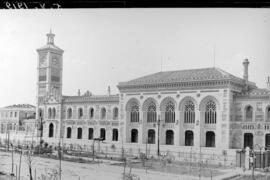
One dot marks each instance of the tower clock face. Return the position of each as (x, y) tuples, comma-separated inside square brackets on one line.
[(55, 61), (42, 60)]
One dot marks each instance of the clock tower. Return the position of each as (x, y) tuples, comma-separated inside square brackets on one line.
[(50, 60), (49, 89)]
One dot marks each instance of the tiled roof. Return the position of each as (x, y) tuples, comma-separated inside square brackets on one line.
[(21, 106), (93, 98), (203, 74)]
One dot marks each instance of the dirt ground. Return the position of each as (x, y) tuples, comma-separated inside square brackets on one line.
[(84, 171)]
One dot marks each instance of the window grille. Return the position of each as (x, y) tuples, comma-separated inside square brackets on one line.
[(170, 112), (189, 114), (134, 114), (210, 113), (151, 113)]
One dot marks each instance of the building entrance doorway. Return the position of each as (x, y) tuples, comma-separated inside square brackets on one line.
[(248, 140)]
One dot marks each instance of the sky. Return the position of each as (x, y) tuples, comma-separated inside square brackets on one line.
[(106, 46)]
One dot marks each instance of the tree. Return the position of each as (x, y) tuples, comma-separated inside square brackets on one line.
[(29, 160)]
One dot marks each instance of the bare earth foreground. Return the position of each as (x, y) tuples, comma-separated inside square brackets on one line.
[(84, 171)]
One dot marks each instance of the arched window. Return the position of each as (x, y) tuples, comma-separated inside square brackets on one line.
[(169, 137), (249, 112), (91, 113), (103, 113), (267, 141), (189, 138), (115, 135), (90, 133), (103, 133), (134, 114), (248, 140), (151, 113), (189, 114), (151, 136), (134, 135), (69, 113), (80, 113), (69, 132), (51, 130), (115, 113), (210, 113), (170, 112), (210, 139), (268, 114), (49, 113), (53, 113), (40, 113), (79, 133)]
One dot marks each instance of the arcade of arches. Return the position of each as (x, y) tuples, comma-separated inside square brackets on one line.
[(150, 113)]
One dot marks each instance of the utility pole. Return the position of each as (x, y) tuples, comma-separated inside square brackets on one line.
[(12, 163), (158, 123)]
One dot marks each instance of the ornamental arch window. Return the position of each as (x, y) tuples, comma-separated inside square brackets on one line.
[(80, 113), (40, 113), (103, 113), (103, 134), (267, 141), (69, 113), (248, 113), (134, 136), (151, 136), (189, 112), (169, 137), (79, 133), (51, 130), (115, 135), (53, 113), (170, 112), (69, 132), (210, 139), (151, 112), (90, 133), (115, 113), (268, 113), (134, 113), (49, 113), (248, 140), (210, 112), (91, 113), (189, 138)]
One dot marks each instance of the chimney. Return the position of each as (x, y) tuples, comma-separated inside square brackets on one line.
[(245, 64), (268, 83), (79, 92), (109, 90)]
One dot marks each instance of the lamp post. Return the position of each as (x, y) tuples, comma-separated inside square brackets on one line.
[(158, 124)]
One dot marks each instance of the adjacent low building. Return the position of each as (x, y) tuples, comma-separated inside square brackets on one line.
[(18, 124)]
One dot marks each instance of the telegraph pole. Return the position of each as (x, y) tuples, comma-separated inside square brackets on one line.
[(158, 124)]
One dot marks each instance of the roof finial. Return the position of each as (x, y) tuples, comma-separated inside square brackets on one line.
[(50, 37)]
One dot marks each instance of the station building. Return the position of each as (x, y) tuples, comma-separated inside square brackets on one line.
[(206, 108)]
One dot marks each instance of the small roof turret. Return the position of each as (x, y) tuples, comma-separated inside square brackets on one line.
[(50, 44)]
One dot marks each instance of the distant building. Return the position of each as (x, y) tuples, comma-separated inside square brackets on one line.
[(17, 123)]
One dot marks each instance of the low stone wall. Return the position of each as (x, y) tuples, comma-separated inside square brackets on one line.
[(19, 137), (187, 154)]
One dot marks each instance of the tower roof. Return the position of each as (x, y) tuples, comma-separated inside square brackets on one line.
[(50, 44)]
